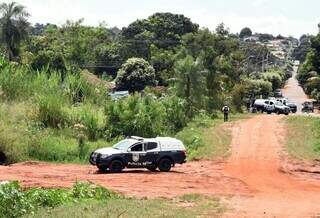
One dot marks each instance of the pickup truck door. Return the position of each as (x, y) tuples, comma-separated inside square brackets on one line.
[(153, 152), (136, 155)]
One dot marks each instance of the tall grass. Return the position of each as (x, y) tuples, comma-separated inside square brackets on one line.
[(51, 111)]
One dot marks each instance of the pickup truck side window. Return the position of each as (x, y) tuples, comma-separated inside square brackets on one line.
[(137, 147), (150, 146)]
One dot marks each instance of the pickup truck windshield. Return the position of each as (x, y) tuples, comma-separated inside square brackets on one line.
[(123, 145)]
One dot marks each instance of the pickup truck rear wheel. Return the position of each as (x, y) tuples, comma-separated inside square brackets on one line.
[(102, 169), (116, 166), (165, 165)]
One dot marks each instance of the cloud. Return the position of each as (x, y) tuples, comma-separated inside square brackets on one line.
[(276, 24), (122, 12), (258, 3)]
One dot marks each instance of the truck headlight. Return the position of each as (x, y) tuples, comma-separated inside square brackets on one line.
[(104, 155)]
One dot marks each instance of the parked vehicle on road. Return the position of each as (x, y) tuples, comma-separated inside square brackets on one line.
[(293, 107), (277, 107), (278, 93), (136, 152), (260, 105), (307, 107)]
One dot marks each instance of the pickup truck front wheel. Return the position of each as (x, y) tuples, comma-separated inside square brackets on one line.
[(116, 166)]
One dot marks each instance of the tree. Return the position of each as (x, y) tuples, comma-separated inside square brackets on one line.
[(222, 30), (264, 37), (80, 46), (135, 75), (14, 27), (300, 53), (164, 30), (162, 61), (190, 83), (245, 32)]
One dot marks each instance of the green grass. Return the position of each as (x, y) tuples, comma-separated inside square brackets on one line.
[(303, 137), (23, 137), (16, 202), (208, 138), (192, 205)]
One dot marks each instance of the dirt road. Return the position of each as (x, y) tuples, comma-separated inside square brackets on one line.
[(251, 178), (257, 147)]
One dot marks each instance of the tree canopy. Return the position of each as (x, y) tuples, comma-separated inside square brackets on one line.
[(245, 32), (135, 75), (14, 27)]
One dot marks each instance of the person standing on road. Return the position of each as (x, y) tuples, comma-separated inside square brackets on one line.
[(226, 110)]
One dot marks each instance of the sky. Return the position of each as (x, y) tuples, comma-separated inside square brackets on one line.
[(285, 17)]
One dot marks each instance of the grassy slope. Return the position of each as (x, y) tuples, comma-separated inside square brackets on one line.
[(20, 133), (186, 206), (303, 137), (208, 138)]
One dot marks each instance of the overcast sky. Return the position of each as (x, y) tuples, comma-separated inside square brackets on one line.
[(286, 17)]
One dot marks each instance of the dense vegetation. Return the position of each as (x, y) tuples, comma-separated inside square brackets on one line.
[(309, 71)]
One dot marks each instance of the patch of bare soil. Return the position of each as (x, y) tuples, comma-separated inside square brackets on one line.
[(204, 177), (301, 168)]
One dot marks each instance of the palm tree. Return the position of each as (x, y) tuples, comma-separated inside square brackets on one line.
[(13, 27)]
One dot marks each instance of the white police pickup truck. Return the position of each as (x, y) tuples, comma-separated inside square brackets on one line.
[(137, 152)]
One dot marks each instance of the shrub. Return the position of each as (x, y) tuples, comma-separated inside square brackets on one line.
[(77, 88), (15, 203), (13, 145), (238, 94), (88, 119), (276, 77), (135, 75), (50, 111), (258, 87), (135, 116), (49, 59), (48, 147), (14, 82), (176, 117)]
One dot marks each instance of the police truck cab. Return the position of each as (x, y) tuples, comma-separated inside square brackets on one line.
[(136, 152)]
